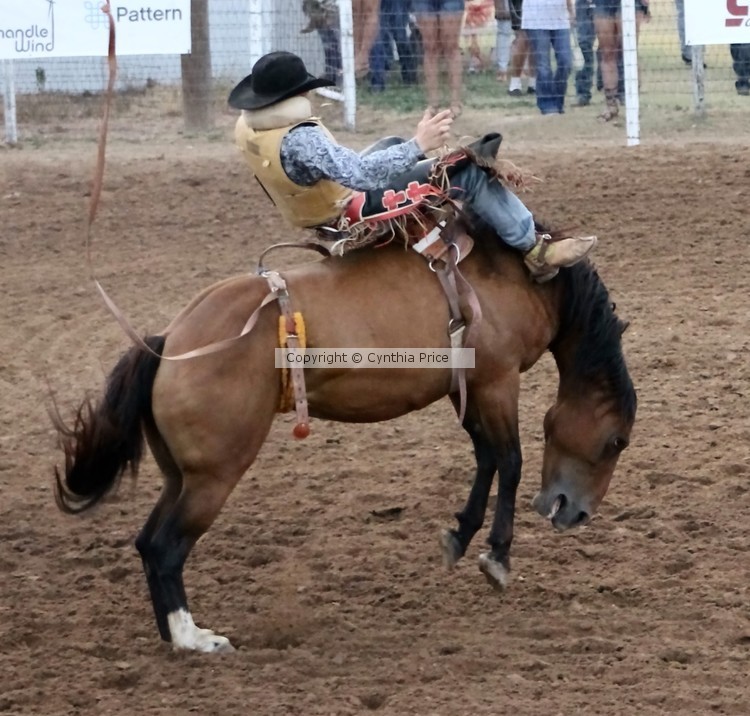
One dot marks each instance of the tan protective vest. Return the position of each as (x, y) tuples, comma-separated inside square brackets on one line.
[(303, 206)]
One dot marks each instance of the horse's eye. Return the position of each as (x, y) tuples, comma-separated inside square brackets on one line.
[(614, 447), (619, 444)]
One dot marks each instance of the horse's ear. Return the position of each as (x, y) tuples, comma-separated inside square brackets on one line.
[(624, 326), (614, 307)]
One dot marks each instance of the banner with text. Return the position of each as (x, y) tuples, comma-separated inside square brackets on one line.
[(78, 28), (717, 22)]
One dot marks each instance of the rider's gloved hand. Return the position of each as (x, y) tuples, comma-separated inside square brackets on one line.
[(434, 132)]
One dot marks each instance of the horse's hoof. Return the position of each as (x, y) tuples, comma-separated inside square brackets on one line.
[(495, 572), (221, 645), (189, 637), (214, 643), (450, 548), (207, 642)]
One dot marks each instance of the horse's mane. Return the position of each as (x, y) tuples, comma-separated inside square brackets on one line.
[(586, 311)]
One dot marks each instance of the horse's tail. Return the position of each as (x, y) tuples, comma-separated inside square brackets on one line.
[(107, 438)]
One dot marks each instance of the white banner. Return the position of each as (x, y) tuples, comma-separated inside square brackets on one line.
[(78, 28), (717, 22)]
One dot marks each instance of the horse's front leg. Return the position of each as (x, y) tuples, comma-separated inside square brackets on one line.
[(495, 564), (497, 406), (454, 542)]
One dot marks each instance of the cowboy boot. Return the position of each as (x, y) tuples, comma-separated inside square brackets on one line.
[(546, 258)]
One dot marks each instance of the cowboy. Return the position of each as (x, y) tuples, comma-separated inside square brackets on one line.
[(311, 178)]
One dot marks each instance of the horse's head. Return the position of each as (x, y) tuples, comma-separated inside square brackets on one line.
[(584, 436), (590, 423)]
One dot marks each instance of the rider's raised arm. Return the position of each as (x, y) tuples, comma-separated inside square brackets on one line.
[(309, 155)]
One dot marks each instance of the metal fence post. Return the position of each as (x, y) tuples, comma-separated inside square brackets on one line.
[(9, 103)]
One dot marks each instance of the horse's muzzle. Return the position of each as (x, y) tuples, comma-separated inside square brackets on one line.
[(560, 509)]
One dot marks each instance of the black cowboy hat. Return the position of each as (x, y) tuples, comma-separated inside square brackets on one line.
[(275, 77)]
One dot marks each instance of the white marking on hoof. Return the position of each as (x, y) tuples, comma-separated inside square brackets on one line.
[(497, 575), (450, 548), (186, 635)]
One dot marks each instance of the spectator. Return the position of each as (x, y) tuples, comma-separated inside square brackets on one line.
[(608, 22), (503, 39), (741, 63), (394, 22), (478, 15), (520, 54), (323, 16), (547, 24), (586, 35), (685, 51), (365, 21), (439, 24)]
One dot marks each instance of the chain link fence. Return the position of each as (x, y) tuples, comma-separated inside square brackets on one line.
[(65, 89)]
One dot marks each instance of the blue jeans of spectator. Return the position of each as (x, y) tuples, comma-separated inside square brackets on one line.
[(329, 38), (394, 20), (741, 63), (586, 35), (551, 87)]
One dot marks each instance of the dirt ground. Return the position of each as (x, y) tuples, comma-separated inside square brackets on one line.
[(324, 569)]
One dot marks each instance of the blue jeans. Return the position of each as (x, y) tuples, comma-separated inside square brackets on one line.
[(586, 35), (495, 205), (394, 19), (551, 87), (741, 63), (329, 38)]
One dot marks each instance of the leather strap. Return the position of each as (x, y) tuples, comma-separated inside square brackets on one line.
[(462, 329), (203, 351), (309, 245), (279, 289)]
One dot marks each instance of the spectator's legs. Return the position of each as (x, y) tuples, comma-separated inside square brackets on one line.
[(365, 19), (685, 51), (441, 35), (541, 45), (741, 64), (450, 45), (608, 33), (518, 56), (476, 61), (396, 20), (560, 41), (586, 36), (428, 27), (503, 42), (329, 38), (379, 60)]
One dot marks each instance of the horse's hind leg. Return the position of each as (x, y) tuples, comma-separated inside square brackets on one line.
[(169, 494), (207, 478), (455, 542), (179, 528)]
